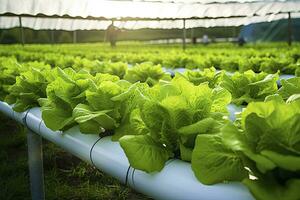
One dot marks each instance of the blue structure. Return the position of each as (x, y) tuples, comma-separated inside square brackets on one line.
[(271, 31)]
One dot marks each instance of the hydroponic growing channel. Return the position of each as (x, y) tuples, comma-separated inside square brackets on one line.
[(202, 133)]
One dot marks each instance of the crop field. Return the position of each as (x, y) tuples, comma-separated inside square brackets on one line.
[(267, 57), (159, 103)]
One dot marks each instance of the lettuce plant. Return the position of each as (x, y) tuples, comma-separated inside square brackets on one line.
[(289, 87), (63, 95), (29, 87), (129, 101), (146, 72), (9, 69), (115, 68), (100, 113), (249, 86), (209, 75), (263, 153), (169, 118)]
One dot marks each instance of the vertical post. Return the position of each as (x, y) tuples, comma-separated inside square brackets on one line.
[(74, 36), (52, 37), (1, 33), (234, 32), (289, 29), (192, 36), (35, 162), (21, 31), (184, 36)]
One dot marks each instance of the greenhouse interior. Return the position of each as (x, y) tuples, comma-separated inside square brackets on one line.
[(150, 99)]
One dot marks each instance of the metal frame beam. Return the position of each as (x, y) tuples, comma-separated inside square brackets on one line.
[(127, 18), (52, 37), (21, 31), (184, 36), (75, 36), (35, 163), (290, 31)]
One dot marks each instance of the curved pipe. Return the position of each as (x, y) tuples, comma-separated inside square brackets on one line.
[(176, 181)]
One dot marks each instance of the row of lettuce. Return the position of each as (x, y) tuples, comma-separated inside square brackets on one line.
[(244, 87), (268, 59), (156, 118)]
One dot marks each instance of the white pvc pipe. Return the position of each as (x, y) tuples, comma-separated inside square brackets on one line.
[(110, 158), (176, 181), (71, 140), (286, 76), (233, 110), (6, 109), (19, 116)]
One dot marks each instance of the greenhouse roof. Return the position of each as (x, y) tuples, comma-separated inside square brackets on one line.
[(135, 14), (116, 9), (38, 23)]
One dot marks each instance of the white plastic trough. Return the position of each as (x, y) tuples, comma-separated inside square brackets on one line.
[(175, 182)]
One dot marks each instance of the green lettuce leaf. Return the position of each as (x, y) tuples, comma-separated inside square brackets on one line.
[(146, 72), (213, 161), (289, 87), (63, 95), (144, 153), (249, 86)]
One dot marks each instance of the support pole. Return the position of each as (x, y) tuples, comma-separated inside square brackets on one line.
[(193, 38), (74, 36), (290, 29), (234, 32), (184, 36), (1, 33), (35, 162), (21, 31), (52, 37)]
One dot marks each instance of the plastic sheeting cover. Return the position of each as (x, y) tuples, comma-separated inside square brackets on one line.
[(81, 24), (144, 9)]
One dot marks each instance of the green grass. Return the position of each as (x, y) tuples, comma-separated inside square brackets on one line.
[(66, 177)]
